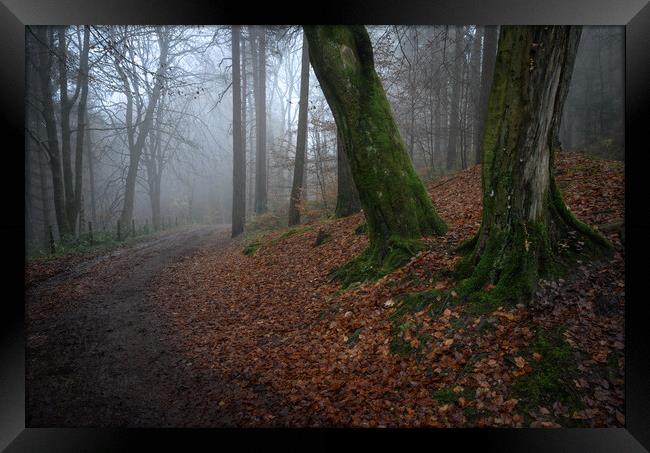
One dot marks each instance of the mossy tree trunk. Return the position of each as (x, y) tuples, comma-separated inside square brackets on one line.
[(526, 230), (347, 197), (397, 208)]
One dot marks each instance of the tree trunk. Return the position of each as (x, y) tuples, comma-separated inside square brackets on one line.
[(82, 82), (347, 197), (239, 158), (299, 164), (442, 119), (135, 151), (260, 119), (396, 205), (45, 71), (154, 198), (475, 88), (64, 115), (45, 200), (526, 230), (454, 117), (487, 73), (244, 117), (91, 178)]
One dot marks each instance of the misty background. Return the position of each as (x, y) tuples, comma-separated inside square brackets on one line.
[(432, 76)]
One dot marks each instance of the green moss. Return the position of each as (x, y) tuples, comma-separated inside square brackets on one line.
[(292, 232), (322, 237), (414, 302), (361, 229), (467, 246), (514, 261), (375, 262), (596, 245), (552, 377), (472, 414), (329, 311), (434, 300), (252, 247), (397, 209), (445, 395), (256, 243), (511, 251), (354, 337)]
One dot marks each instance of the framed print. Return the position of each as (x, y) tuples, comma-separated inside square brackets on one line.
[(424, 218)]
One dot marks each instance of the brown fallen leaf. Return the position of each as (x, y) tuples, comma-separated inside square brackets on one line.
[(620, 417)]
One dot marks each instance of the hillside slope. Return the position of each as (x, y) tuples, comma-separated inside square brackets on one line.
[(298, 351)]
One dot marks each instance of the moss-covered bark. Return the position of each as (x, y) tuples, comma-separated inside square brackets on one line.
[(347, 197), (526, 230), (395, 203)]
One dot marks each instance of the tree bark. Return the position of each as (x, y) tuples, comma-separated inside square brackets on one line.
[(347, 197), (526, 230), (82, 81), (487, 73), (244, 108), (239, 158), (260, 119), (45, 47), (65, 105), (137, 145), (301, 142), (396, 205), (454, 117), (91, 178), (475, 88)]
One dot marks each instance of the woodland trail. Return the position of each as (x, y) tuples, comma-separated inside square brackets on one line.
[(189, 330), (100, 353)]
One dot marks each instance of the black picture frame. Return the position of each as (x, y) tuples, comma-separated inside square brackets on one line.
[(633, 14)]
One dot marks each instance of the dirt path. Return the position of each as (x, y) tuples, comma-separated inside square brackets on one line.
[(99, 352)]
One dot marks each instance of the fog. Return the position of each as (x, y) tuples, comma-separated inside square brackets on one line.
[(158, 116)]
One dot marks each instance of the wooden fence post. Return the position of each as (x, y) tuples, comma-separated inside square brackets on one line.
[(90, 232), (119, 231)]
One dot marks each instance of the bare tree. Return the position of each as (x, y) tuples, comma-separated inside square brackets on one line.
[(239, 156), (299, 166)]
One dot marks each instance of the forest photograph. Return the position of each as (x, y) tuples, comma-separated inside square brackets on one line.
[(399, 226)]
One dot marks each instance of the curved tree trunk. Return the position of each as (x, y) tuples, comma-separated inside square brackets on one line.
[(526, 230), (301, 143), (396, 205)]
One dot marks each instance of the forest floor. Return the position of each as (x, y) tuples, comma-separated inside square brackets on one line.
[(192, 331)]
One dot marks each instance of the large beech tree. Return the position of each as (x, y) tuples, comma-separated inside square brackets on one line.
[(397, 208), (526, 230)]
